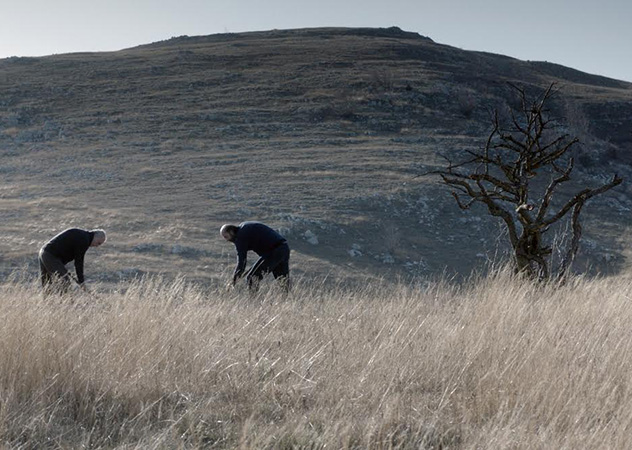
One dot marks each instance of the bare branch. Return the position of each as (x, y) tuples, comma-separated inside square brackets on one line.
[(496, 182), (517, 125), (547, 159), (582, 197), (548, 195), (519, 146), (573, 246), (461, 204)]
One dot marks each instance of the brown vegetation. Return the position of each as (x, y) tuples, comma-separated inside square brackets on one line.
[(497, 364)]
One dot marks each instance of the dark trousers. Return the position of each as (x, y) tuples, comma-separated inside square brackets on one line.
[(277, 262), (53, 274)]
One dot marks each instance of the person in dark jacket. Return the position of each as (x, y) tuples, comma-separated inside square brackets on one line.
[(69, 245), (272, 248)]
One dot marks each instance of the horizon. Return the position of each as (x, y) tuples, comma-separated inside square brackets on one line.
[(587, 37)]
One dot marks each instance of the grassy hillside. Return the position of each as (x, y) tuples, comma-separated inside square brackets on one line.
[(497, 364), (317, 132)]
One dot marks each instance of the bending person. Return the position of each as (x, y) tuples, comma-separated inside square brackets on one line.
[(69, 245), (272, 248)]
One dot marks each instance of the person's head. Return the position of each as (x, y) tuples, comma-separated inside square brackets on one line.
[(99, 238), (229, 232)]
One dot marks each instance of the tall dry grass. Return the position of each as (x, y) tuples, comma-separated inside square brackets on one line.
[(498, 363)]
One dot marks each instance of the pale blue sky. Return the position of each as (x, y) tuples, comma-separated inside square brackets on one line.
[(588, 35)]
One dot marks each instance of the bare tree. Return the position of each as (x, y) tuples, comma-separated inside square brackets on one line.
[(504, 177)]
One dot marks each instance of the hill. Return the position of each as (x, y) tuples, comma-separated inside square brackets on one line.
[(318, 132)]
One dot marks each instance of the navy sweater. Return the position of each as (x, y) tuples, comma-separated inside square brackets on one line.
[(257, 237), (71, 244)]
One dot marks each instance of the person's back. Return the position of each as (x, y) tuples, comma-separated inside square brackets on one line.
[(257, 237), (69, 244)]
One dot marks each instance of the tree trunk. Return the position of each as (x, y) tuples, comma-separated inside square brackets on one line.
[(530, 255)]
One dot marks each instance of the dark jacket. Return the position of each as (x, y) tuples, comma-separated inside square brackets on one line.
[(257, 237), (71, 244)]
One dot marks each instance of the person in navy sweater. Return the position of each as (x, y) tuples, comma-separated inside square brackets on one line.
[(272, 248), (69, 245)]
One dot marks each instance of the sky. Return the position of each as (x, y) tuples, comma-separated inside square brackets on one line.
[(588, 35)]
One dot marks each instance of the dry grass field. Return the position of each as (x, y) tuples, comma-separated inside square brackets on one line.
[(495, 363)]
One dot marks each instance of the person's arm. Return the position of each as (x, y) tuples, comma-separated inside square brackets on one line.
[(242, 253), (81, 248), (79, 267)]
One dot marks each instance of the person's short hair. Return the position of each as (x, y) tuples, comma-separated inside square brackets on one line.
[(99, 235), (230, 229)]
